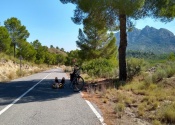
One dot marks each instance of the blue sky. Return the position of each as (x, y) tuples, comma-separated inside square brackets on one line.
[(49, 21)]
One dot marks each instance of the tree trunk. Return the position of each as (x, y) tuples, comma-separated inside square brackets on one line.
[(122, 48)]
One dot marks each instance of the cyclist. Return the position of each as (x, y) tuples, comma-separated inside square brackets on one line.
[(75, 72), (55, 85), (58, 84), (77, 82)]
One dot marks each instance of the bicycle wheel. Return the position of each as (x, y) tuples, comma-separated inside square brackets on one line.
[(78, 84)]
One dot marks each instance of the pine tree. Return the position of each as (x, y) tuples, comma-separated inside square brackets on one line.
[(96, 43), (109, 13), (17, 31), (4, 40)]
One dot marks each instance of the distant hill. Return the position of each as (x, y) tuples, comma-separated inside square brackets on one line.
[(57, 51), (150, 39)]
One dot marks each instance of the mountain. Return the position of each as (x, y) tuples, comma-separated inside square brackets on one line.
[(150, 39)]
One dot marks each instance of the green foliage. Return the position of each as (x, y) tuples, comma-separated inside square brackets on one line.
[(156, 122), (36, 44), (57, 48), (170, 70), (171, 56), (96, 43), (161, 70), (102, 14), (148, 80), (166, 113), (150, 56), (141, 109), (27, 51), (4, 40), (73, 58), (61, 59), (17, 31), (13, 41), (134, 67), (98, 67), (51, 46), (119, 108), (159, 75), (49, 58), (98, 49), (40, 52), (62, 49)]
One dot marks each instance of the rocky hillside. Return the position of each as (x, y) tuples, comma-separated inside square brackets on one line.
[(150, 39)]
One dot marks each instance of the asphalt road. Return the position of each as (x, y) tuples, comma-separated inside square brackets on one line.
[(31, 101)]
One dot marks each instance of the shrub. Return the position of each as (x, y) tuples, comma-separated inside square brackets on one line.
[(156, 122), (119, 108), (148, 80), (141, 109), (11, 75), (98, 67), (135, 86), (170, 71), (155, 105), (167, 113), (134, 67), (171, 56), (159, 75), (20, 73)]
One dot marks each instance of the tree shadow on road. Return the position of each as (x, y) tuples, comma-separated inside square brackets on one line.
[(41, 92)]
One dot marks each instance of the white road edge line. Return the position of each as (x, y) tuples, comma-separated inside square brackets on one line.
[(96, 112), (8, 106)]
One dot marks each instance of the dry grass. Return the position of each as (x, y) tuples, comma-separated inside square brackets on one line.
[(156, 122), (11, 75), (145, 100), (149, 96), (9, 69)]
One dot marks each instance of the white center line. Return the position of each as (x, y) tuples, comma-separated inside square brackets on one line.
[(8, 106)]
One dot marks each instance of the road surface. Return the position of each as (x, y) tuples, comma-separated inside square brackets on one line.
[(31, 101)]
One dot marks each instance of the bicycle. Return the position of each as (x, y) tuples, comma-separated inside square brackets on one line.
[(77, 83)]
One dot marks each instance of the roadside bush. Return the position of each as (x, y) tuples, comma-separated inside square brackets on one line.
[(170, 70), (134, 67), (4, 56), (98, 67), (11, 75), (159, 75), (148, 80), (167, 113), (171, 56), (141, 109), (156, 122), (119, 108), (20, 73)]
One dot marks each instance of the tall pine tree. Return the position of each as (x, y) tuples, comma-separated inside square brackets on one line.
[(96, 43), (17, 31), (106, 13)]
